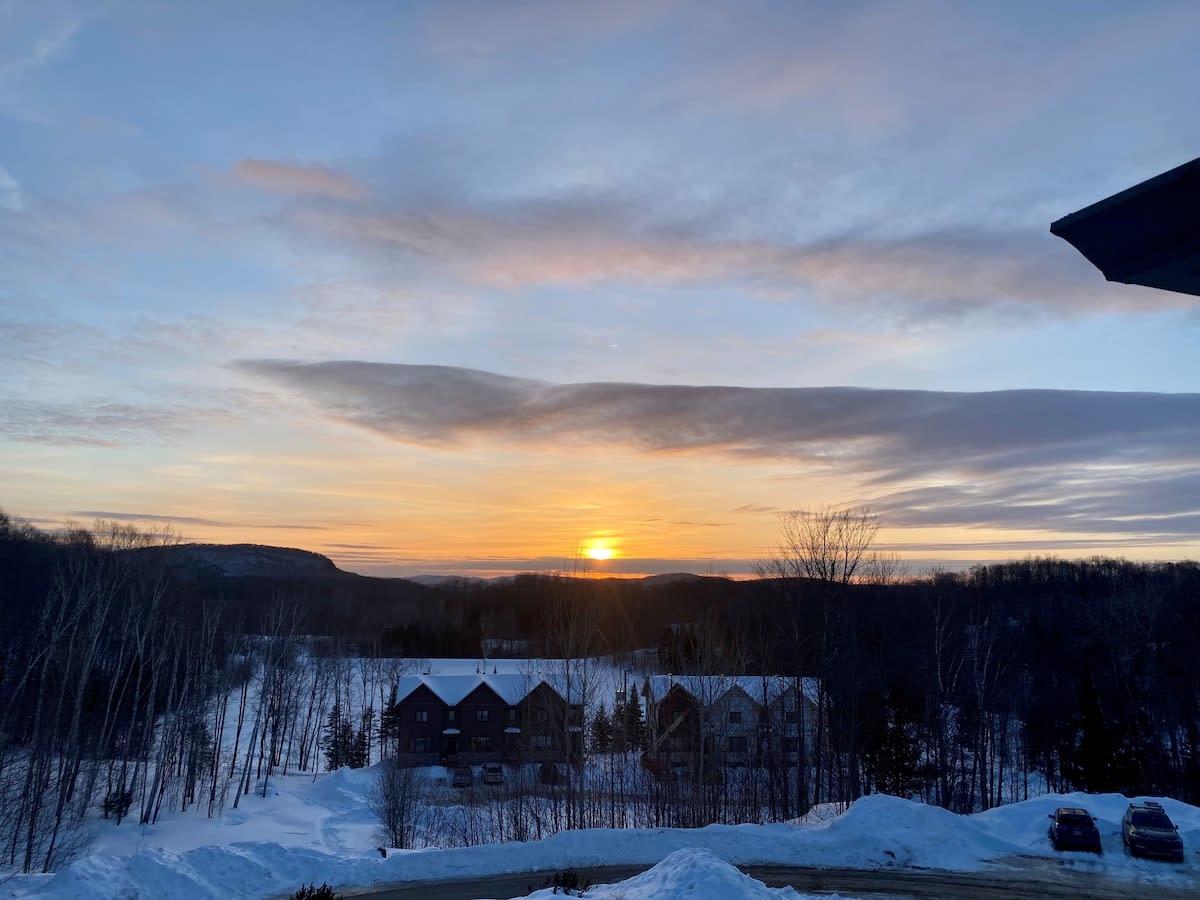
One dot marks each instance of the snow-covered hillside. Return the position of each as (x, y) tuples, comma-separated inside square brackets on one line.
[(314, 830)]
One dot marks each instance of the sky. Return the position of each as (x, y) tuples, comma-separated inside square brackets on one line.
[(478, 287)]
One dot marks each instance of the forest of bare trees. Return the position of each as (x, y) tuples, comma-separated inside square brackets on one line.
[(129, 688), (123, 694)]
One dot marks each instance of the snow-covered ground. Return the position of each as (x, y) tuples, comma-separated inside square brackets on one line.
[(315, 830), (688, 875)]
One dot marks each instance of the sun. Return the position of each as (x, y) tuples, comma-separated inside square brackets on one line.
[(599, 549)]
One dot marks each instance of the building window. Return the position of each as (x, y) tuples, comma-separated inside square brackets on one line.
[(736, 744), (512, 714), (539, 714), (790, 717), (735, 717), (481, 715), (422, 715), (423, 745), (541, 742), (452, 715), (481, 744)]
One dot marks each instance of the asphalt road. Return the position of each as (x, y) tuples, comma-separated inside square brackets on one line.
[(1032, 880)]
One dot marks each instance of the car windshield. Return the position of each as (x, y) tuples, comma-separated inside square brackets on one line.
[(1150, 820), (1075, 819)]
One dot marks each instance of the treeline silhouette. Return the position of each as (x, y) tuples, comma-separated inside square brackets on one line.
[(965, 689)]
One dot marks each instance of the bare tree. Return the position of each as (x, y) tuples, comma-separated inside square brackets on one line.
[(393, 799), (574, 640), (831, 543)]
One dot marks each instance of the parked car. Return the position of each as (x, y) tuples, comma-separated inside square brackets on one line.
[(1073, 828), (1147, 830), (493, 773), (463, 776)]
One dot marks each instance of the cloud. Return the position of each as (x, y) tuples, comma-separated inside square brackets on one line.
[(478, 32), (296, 178), (99, 424), (32, 38), (49, 44), (11, 196), (1157, 502), (1066, 461), (941, 273), (384, 561), (145, 517), (190, 520), (880, 430)]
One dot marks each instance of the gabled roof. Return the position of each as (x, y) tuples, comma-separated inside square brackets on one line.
[(453, 689), (709, 689), (570, 688)]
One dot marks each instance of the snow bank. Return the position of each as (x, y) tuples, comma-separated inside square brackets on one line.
[(314, 831), (882, 830), (1025, 824), (689, 875)]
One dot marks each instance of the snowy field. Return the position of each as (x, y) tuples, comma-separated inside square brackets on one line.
[(315, 830), (318, 829)]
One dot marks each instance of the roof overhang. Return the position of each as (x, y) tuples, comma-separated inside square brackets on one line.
[(1148, 234)]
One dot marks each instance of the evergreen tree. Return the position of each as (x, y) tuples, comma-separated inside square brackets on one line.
[(360, 750), (602, 731), (339, 739), (634, 724), (1091, 762), (390, 725)]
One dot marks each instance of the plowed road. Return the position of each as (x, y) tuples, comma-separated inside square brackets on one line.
[(1028, 879)]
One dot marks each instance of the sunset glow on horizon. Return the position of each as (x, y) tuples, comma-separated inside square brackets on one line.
[(598, 552), (475, 288)]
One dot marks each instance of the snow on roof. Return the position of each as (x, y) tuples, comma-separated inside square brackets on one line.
[(451, 731), (452, 689), (571, 687), (406, 685), (771, 687), (512, 688), (709, 689)]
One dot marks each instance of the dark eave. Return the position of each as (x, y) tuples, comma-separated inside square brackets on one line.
[(1148, 234)]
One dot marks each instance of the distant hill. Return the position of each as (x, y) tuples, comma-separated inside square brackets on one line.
[(447, 580), (431, 615), (242, 560), (672, 578)]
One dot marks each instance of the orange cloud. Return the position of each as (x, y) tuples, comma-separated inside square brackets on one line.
[(297, 178), (935, 274)]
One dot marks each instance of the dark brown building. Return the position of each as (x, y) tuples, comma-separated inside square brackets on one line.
[(473, 719)]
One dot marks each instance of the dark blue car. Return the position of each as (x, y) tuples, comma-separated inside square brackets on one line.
[(1072, 828)]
